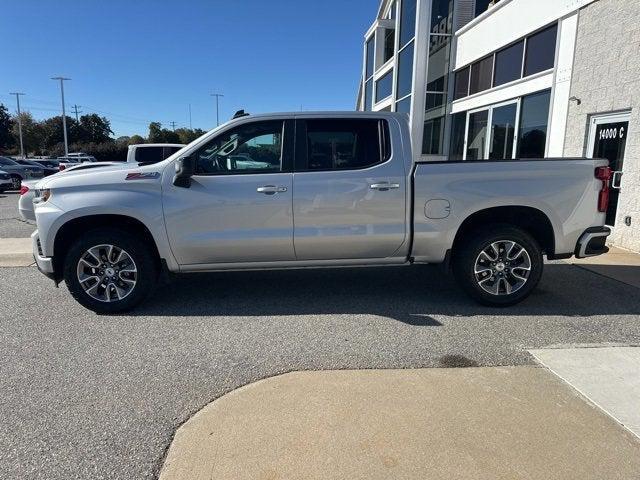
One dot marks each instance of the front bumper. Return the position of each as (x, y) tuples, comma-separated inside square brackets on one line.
[(44, 264), (592, 242)]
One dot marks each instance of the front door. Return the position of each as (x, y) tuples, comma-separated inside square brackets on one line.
[(608, 139), (238, 207), (349, 191)]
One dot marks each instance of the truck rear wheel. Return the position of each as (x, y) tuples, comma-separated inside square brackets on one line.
[(108, 270), (498, 265)]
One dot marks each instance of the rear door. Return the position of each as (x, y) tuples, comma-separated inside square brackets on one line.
[(349, 196)]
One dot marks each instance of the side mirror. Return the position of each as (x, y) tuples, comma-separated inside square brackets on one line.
[(185, 168)]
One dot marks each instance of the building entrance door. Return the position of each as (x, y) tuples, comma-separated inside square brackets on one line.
[(608, 139)]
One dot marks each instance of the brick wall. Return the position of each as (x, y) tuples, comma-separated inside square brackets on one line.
[(606, 78)]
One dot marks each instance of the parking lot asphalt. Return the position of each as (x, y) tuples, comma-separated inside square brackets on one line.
[(88, 396), (11, 225)]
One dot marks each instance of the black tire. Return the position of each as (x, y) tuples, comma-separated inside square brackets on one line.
[(470, 252), (145, 263)]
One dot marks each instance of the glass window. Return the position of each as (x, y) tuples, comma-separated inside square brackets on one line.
[(432, 136), (481, 73), (458, 127), (407, 21), (534, 117), (392, 11), (461, 88), (149, 154), (368, 95), (508, 64), (7, 161), (342, 144), (477, 135), (441, 11), (370, 52), (384, 85), (404, 105), (503, 124), (250, 148), (389, 44), (541, 51), (168, 151), (405, 71)]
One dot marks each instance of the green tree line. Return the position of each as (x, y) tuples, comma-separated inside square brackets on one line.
[(90, 134)]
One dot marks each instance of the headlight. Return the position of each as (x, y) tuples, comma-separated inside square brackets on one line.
[(42, 196)]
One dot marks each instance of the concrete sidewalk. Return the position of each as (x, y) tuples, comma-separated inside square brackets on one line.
[(472, 423), (15, 252)]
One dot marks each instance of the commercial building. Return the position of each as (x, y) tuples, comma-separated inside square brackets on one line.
[(515, 79)]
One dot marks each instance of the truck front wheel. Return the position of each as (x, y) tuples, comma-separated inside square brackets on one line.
[(498, 265), (108, 270)]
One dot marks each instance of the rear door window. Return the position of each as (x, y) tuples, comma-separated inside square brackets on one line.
[(168, 151), (149, 154), (341, 144)]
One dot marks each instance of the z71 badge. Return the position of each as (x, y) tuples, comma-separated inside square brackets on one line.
[(142, 176)]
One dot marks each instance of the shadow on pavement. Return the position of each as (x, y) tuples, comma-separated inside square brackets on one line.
[(410, 295)]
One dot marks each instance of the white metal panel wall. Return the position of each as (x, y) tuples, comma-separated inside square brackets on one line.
[(562, 85), (506, 22)]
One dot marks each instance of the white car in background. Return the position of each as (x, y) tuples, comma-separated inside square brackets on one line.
[(152, 152)]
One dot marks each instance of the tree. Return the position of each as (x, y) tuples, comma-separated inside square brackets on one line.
[(136, 140), (187, 135), (32, 134), (52, 131), (155, 132), (95, 129), (6, 125)]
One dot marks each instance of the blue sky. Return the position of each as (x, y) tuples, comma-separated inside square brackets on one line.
[(144, 61)]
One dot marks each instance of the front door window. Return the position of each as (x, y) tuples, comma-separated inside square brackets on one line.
[(609, 140)]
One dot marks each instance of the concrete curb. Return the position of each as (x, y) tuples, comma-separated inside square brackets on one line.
[(16, 252), (482, 423)]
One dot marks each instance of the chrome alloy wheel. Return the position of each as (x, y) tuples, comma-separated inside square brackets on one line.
[(107, 273), (502, 268)]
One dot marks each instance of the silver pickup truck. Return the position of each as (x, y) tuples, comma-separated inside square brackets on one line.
[(315, 190)]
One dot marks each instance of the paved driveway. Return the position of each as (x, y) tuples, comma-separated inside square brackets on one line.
[(87, 396), (11, 225)]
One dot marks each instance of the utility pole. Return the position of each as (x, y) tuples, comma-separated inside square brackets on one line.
[(190, 126), (75, 107), (17, 94), (64, 115), (217, 95), (173, 126)]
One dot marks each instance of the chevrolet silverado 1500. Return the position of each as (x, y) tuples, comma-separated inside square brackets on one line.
[(315, 190)]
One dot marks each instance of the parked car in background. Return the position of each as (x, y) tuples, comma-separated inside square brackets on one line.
[(152, 152), (5, 181), (345, 189), (28, 189), (48, 170), (18, 172), (72, 159)]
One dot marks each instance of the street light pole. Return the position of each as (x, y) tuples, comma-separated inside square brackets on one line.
[(17, 94), (64, 115), (217, 95)]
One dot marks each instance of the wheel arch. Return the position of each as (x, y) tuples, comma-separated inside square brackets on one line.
[(70, 230), (530, 219)]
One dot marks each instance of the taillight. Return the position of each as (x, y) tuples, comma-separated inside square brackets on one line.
[(604, 174), (23, 189), (61, 167)]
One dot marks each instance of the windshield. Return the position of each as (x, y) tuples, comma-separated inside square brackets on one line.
[(7, 161)]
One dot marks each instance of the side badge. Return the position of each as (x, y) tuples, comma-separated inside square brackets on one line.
[(142, 176)]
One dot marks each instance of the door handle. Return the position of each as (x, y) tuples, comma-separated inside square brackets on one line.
[(384, 186), (271, 189)]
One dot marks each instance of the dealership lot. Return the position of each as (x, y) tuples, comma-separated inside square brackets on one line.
[(11, 225), (88, 396)]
